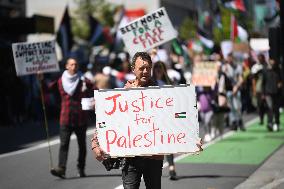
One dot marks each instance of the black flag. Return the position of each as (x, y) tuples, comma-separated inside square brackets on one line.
[(64, 35)]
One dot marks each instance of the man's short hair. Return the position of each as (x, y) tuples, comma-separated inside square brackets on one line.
[(143, 55), (70, 57)]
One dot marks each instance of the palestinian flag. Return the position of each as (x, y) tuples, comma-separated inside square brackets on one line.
[(238, 33), (235, 5), (206, 41), (180, 115), (99, 35), (234, 28)]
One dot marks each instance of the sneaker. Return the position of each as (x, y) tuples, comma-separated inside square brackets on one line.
[(173, 175), (207, 138), (275, 127), (81, 173), (58, 172)]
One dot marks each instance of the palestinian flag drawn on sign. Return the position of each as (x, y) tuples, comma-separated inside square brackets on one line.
[(180, 115)]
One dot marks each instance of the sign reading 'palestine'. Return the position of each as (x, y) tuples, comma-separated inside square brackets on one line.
[(147, 121), (148, 31)]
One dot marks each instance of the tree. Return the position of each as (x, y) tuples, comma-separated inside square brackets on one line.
[(101, 10), (187, 29)]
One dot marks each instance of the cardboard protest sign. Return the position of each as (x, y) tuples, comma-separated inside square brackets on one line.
[(147, 121), (241, 47), (259, 44), (226, 47), (148, 31), (31, 58), (204, 73)]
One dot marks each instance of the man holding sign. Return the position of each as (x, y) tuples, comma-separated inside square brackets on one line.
[(134, 167)]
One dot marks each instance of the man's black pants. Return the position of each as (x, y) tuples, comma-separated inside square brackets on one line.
[(65, 133), (151, 170)]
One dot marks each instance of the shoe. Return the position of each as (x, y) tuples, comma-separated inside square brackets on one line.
[(241, 125), (58, 172), (81, 173), (275, 127), (207, 138), (270, 127), (173, 175)]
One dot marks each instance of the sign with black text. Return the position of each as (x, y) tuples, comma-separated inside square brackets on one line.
[(147, 32), (32, 58)]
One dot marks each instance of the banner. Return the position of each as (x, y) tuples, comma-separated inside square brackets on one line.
[(147, 121), (227, 48), (204, 73), (148, 31), (31, 58)]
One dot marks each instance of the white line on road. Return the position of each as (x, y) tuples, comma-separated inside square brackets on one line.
[(40, 146)]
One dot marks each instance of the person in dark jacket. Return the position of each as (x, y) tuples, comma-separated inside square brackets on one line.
[(271, 87), (150, 167)]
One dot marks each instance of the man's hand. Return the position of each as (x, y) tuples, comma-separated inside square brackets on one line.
[(93, 104), (199, 145), (99, 154)]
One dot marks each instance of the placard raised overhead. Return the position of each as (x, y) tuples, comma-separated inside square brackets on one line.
[(31, 58), (147, 121), (147, 32)]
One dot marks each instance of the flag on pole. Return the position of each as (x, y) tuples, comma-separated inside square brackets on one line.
[(235, 5), (242, 34), (64, 36), (99, 35), (206, 41), (234, 28)]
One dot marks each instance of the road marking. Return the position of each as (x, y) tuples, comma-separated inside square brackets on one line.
[(43, 145)]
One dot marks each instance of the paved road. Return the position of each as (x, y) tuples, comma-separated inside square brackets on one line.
[(30, 169)]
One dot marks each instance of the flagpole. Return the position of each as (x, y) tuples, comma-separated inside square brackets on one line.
[(45, 123)]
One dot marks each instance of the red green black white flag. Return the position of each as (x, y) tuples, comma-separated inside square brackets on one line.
[(180, 115)]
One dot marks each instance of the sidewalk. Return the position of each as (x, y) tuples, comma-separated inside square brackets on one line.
[(269, 175)]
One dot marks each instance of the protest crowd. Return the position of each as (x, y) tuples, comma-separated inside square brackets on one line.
[(245, 83)]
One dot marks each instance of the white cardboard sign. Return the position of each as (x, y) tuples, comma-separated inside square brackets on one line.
[(148, 31), (31, 58), (147, 121)]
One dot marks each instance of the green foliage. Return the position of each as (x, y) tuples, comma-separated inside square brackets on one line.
[(101, 10), (187, 30), (223, 33)]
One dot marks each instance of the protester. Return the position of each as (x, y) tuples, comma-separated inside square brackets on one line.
[(149, 166), (72, 88), (234, 73), (271, 88), (205, 110), (220, 103), (257, 72)]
